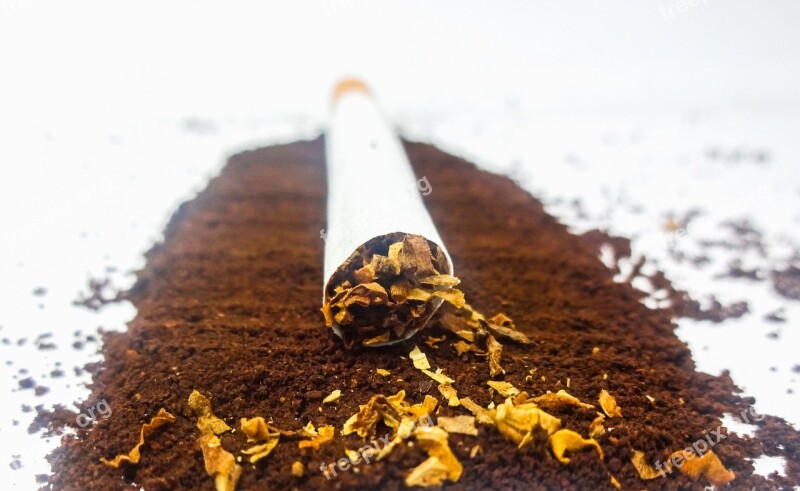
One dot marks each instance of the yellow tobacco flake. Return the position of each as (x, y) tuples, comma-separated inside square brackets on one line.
[(643, 467), (474, 451), (219, 463), (364, 421), (614, 482), (481, 414), (382, 372), (506, 332), (520, 398), (377, 339), (160, 419), (467, 335), (609, 405), (440, 465), (207, 422), (438, 376), (462, 347), (365, 274), (450, 394), (505, 389), (708, 465), (258, 452), (399, 292), (430, 473), (433, 342), (394, 256), (318, 436), (464, 425), (501, 320), (440, 280), (427, 406), (257, 430), (495, 351), (518, 422), (451, 295), (332, 397), (565, 440), (596, 429), (475, 316), (419, 359), (353, 455), (298, 469), (459, 326), (559, 400)]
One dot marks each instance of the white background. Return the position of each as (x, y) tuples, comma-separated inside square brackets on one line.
[(112, 114)]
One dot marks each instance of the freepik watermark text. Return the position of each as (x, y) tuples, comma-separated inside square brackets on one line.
[(371, 450), (701, 446)]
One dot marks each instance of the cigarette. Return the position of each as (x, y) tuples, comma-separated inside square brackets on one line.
[(387, 270)]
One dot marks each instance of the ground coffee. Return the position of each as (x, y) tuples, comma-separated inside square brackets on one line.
[(229, 305)]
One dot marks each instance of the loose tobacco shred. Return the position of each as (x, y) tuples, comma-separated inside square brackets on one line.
[(481, 414), (132, 457), (505, 389), (518, 422), (257, 430), (643, 467), (219, 463), (559, 400), (596, 428), (332, 397), (495, 351), (419, 359), (319, 436), (387, 288), (449, 393), (708, 465), (441, 463), (464, 425), (609, 405), (565, 440), (207, 422)]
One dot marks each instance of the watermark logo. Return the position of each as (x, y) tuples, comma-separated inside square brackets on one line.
[(423, 186), (371, 450), (709, 440), (679, 7), (99, 410)]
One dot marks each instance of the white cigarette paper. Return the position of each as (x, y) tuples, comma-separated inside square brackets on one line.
[(372, 190)]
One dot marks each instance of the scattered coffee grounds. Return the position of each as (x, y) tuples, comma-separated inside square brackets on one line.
[(101, 292), (681, 303), (52, 421), (27, 383), (776, 316), (229, 305), (787, 282)]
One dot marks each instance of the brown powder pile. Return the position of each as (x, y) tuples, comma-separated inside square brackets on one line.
[(229, 305)]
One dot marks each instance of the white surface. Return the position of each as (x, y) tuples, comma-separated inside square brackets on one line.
[(111, 114)]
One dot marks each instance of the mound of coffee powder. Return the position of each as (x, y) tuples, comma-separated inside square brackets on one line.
[(229, 305)]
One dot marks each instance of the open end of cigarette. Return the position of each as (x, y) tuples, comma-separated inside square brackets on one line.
[(349, 85), (388, 289)]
